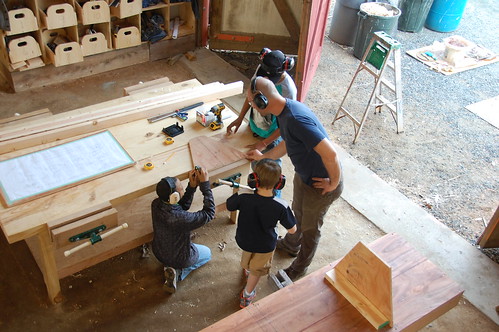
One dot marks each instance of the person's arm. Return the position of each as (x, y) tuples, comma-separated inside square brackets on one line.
[(276, 153), (292, 230), (261, 145), (330, 160), (237, 122), (186, 200)]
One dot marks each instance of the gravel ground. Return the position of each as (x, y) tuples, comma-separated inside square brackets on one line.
[(447, 158)]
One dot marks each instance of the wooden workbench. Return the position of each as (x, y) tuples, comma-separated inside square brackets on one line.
[(421, 293), (38, 220)]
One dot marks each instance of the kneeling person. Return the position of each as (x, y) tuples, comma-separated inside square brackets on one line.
[(172, 226)]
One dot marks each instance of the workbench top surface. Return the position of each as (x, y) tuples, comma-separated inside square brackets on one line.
[(144, 142)]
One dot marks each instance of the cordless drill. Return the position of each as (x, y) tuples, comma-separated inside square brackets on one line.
[(217, 110)]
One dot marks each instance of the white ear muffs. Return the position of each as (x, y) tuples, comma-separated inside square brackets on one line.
[(174, 198)]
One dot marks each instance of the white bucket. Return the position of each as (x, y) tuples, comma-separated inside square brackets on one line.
[(456, 48)]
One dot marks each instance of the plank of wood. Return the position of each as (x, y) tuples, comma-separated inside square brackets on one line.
[(490, 236), (126, 113), (213, 153), (146, 85), (171, 47), (95, 64), (108, 109), (366, 281), (61, 235), (78, 215), (38, 114)]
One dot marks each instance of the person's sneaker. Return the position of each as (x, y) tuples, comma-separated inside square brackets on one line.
[(170, 284), (246, 301), (293, 274), (282, 246)]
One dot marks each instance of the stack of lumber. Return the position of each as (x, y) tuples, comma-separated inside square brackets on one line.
[(118, 111)]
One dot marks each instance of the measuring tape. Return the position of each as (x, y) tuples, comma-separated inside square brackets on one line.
[(169, 140), (148, 166)]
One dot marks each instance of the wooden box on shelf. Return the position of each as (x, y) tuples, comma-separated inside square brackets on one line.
[(23, 48), (96, 39), (125, 8), (126, 32), (65, 49), (21, 20), (92, 12), (58, 16), (126, 37)]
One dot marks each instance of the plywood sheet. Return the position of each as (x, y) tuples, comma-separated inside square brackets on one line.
[(213, 153)]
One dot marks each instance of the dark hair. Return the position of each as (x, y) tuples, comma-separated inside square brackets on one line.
[(166, 187), (268, 172)]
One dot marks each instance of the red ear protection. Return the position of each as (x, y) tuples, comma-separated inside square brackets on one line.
[(264, 52), (253, 181), (288, 64)]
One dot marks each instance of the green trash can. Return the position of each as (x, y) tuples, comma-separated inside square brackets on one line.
[(414, 13), (372, 17)]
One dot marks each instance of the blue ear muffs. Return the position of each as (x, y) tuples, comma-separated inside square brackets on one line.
[(259, 98)]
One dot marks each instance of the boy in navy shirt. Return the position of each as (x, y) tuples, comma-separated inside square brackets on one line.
[(258, 216)]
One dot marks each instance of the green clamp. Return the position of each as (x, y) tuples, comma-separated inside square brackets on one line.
[(92, 234), (232, 178)]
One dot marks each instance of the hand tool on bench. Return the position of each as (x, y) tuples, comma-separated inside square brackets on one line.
[(181, 113)]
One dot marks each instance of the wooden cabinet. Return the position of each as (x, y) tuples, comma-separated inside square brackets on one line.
[(56, 33)]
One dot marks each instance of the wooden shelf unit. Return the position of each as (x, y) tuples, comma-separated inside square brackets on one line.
[(91, 30)]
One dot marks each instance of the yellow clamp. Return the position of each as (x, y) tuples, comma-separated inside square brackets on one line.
[(148, 166), (169, 140)]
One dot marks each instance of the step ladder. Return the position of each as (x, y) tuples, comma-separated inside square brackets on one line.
[(376, 58)]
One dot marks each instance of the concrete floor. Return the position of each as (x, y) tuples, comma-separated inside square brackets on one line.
[(125, 293)]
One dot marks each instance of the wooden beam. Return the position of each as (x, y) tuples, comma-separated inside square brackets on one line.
[(490, 236), (288, 19), (25, 116), (153, 84)]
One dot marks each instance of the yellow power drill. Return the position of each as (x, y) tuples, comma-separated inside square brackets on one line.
[(217, 110)]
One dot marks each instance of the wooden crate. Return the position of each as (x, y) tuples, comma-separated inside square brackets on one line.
[(23, 48), (97, 42), (58, 16), (22, 20), (65, 53), (93, 12), (126, 8)]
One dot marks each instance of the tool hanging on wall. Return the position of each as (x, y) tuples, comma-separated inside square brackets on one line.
[(93, 237)]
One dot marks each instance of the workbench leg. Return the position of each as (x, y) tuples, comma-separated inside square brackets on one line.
[(233, 214), (48, 267)]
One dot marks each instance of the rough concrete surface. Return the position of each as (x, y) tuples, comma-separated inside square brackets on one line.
[(125, 293)]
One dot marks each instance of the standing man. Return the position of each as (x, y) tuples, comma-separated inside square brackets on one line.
[(317, 182)]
